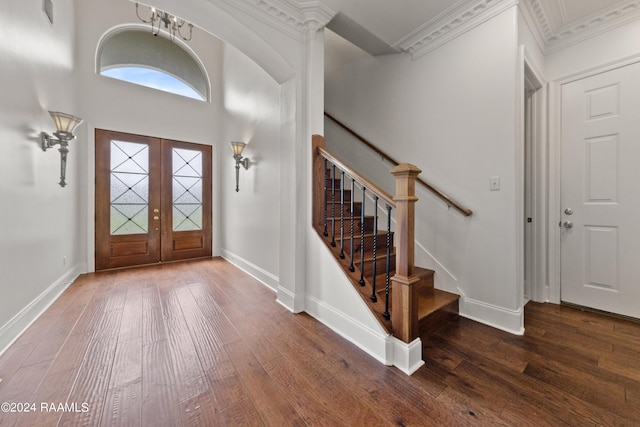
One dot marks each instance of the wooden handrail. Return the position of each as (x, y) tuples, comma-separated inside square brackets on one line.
[(448, 200), (388, 199)]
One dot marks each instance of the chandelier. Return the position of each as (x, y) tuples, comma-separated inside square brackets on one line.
[(172, 24)]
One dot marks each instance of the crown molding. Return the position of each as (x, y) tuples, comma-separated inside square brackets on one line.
[(450, 25), (299, 20), (587, 28)]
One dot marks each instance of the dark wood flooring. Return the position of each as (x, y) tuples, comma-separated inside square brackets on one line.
[(202, 343)]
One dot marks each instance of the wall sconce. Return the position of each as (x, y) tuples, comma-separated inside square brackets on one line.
[(237, 148), (66, 124)]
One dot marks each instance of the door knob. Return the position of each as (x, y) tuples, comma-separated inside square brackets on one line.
[(568, 211), (568, 224), (156, 217)]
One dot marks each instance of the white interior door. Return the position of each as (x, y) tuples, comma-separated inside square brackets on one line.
[(600, 179)]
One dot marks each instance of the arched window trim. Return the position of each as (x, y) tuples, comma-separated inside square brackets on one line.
[(182, 45)]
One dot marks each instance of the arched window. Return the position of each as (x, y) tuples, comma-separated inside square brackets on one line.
[(139, 57)]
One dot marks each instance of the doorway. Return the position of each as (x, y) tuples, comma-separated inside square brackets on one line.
[(534, 221), (152, 200)]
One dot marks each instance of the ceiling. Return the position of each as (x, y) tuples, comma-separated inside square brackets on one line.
[(385, 26)]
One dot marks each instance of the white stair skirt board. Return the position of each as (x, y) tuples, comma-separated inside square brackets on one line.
[(10, 331), (373, 342), (385, 348)]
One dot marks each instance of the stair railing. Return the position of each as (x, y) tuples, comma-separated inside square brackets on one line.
[(330, 208)]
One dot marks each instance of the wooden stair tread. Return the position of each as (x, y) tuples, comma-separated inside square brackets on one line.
[(433, 301)]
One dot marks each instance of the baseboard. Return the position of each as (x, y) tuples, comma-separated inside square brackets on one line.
[(511, 321), (260, 274), (407, 357), (12, 330), (286, 298), (374, 343)]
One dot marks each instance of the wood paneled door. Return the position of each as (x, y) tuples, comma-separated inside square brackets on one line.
[(600, 240), (153, 200)]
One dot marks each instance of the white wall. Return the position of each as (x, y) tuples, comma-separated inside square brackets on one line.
[(453, 114), (39, 220), (250, 235)]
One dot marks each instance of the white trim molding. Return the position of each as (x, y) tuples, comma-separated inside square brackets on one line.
[(258, 273), (451, 24), (300, 20), (407, 357), (383, 347), (507, 320), (552, 40), (12, 330)]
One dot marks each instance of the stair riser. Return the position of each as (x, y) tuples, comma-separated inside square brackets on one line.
[(381, 265), (368, 242), (430, 324), (357, 208), (368, 225)]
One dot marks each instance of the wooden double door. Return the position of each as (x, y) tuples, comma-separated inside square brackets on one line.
[(153, 200)]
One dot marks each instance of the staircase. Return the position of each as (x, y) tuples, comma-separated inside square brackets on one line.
[(365, 241)]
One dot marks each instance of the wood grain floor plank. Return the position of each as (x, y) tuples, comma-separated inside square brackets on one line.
[(557, 401), (11, 361), (92, 382), (159, 393), (153, 329), (314, 407), (72, 353), (266, 396), (485, 338), (54, 389), (189, 375), (123, 397), (243, 413), (200, 411)]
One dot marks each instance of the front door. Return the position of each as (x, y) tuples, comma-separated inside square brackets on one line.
[(600, 197), (153, 200)]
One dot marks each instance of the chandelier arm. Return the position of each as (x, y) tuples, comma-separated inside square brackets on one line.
[(190, 32), (138, 15)]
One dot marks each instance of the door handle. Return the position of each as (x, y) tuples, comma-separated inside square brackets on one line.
[(568, 211), (156, 217), (568, 224)]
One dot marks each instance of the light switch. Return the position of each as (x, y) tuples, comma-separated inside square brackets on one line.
[(494, 183)]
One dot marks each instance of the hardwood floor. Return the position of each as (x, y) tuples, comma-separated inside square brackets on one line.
[(202, 343)]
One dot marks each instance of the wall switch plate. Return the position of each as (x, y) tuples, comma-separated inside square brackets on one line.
[(494, 183)]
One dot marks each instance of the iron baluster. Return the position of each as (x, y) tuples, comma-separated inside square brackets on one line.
[(341, 214), (333, 206), (388, 269), (374, 298), (352, 267), (325, 199), (362, 239)]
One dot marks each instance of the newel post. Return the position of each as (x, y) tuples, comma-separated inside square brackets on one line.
[(404, 316), (318, 179)]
